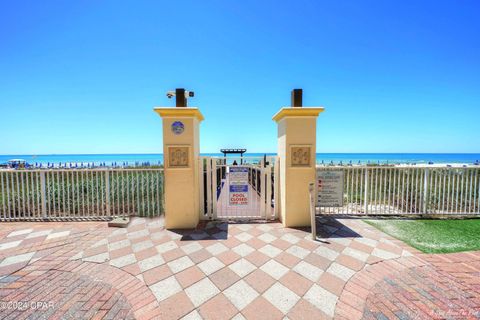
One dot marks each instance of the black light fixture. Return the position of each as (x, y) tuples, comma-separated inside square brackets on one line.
[(181, 96)]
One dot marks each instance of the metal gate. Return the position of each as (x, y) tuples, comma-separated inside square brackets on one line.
[(238, 188)]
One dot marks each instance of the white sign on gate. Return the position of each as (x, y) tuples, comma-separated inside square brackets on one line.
[(330, 188), (238, 186)]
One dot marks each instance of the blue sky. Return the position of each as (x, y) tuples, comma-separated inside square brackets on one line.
[(394, 76)]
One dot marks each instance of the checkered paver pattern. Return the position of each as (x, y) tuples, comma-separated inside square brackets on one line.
[(218, 271), (24, 243), (238, 268)]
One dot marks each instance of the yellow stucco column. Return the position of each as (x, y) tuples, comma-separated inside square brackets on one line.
[(181, 155), (297, 129)]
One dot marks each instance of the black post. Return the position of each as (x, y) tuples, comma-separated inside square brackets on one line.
[(181, 101), (224, 170), (297, 98)]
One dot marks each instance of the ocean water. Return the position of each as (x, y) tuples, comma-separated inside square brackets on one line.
[(336, 158)]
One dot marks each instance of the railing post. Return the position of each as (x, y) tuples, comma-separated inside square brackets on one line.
[(43, 194), (214, 188), (276, 186), (261, 172), (202, 189), (268, 190), (209, 187), (366, 192), (311, 188), (107, 192), (425, 191)]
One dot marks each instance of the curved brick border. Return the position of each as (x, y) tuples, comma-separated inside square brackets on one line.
[(56, 254), (61, 294), (464, 262), (134, 290), (352, 300)]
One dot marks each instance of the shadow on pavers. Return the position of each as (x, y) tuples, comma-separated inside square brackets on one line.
[(213, 230), (206, 230), (329, 227)]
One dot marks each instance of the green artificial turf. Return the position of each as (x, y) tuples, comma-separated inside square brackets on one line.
[(433, 236)]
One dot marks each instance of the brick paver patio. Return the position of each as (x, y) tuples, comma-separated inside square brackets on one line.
[(222, 271)]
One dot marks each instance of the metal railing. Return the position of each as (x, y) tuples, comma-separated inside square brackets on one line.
[(62, 194), (408, 190)]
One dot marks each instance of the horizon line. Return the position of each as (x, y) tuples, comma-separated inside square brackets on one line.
[(161, 153)]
